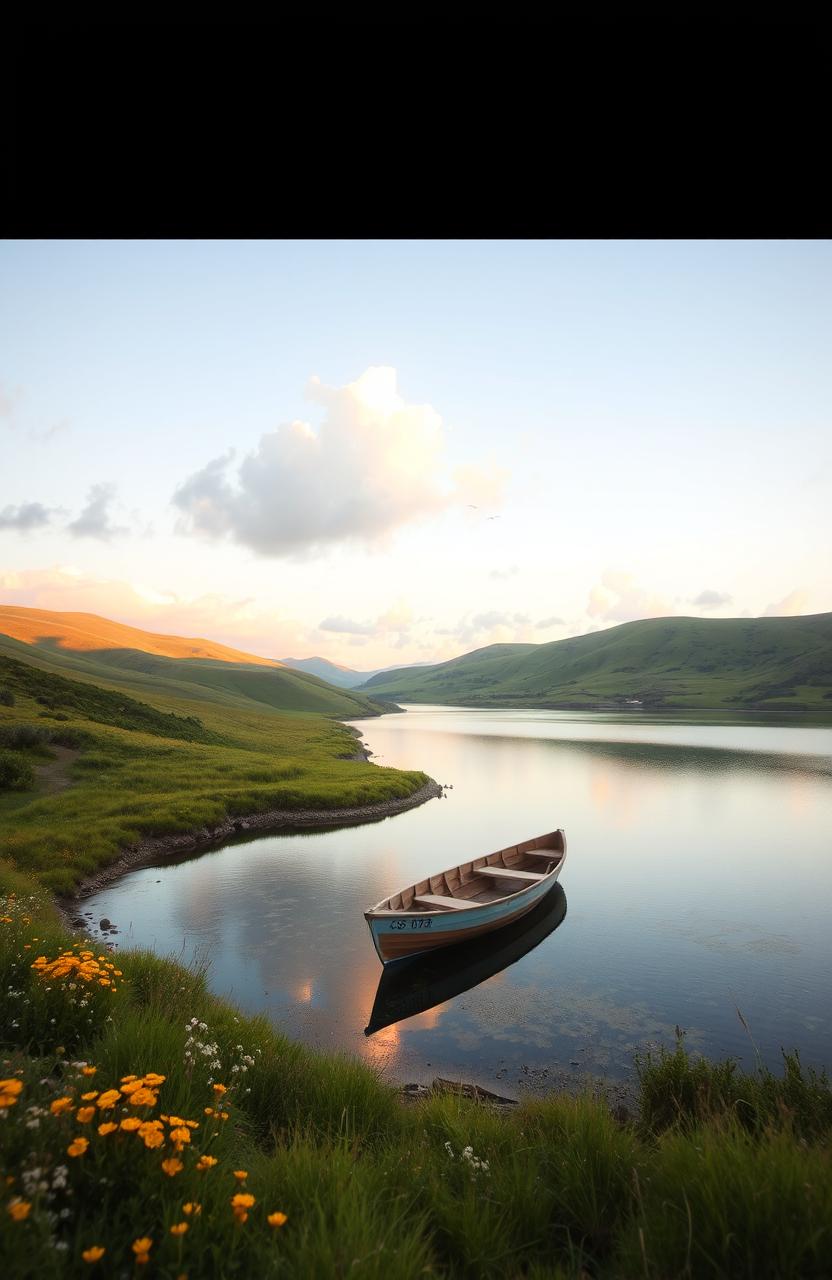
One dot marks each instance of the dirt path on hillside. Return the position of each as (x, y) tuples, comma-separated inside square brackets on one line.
[(54, 775)]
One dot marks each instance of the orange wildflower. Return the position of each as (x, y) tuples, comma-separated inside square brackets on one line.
[(88, 1071), (152, 1138), (141, 1248), (206, 1162), (77, 1147), (241, 1174), (172, 1166), (242, 1200), (179, 1136), (143, 1098), (94, 1252), (60, 1105), (88, 1097), (154, 1079), (220, 1089), (131, 1123), (84, 1114), (276, 1219), (108, 1099), (109, 1127), (19, 1209), (192, 1207), (179, 1229), (127, 1079)]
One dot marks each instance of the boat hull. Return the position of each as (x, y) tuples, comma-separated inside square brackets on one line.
[(398, 935)]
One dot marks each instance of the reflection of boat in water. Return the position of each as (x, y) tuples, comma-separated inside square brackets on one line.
[(471, 898), (433, 977)]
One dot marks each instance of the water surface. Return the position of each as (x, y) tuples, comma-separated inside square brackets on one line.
[(697, 883)]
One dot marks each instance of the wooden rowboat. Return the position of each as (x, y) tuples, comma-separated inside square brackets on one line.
[(467, 900), (411, 986)]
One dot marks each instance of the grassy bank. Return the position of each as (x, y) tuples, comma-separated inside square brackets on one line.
[(722, 1174), (87, 770)]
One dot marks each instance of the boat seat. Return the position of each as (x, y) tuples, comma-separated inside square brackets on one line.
[(437, 900), (502, 873), (551, 854)]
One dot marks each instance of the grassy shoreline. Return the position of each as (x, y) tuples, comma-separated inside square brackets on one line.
[(143, 772), (722, 1173)]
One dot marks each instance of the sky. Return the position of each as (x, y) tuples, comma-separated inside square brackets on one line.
[(387, 452)]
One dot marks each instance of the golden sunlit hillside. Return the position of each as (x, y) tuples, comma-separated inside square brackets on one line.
[(81, 632)]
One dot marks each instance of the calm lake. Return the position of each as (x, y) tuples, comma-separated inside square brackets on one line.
[(697, 883)]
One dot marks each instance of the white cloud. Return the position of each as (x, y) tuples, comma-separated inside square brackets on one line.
[(374, 464), (794, 603), (398, 618), (9, 400), (618, 598), (347, 626), (95, 520), (544, 623), (711, 599), (29, 515)]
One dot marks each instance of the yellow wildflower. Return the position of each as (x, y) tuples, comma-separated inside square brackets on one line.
[(94, 1252), (108, 1099), (19, 1209), (143, 1098), (276, 1219), (109, 1127), (172, 1166), (179, 1229), (11, 1086), (84, 1114), (192, 1207), (77, 1147), (131, 1123), (241, 1174), (59, 1105), (206, 1162), (141, 1248)]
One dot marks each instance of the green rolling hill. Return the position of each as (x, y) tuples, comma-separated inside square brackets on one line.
[(731, 663), (235, 682)]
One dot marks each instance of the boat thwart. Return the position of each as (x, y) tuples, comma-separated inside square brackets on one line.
[(467, 900)]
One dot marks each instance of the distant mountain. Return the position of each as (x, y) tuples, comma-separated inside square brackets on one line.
[(106, 652), (774, 663), (343, 677)]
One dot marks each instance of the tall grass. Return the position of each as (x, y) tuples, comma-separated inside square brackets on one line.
[(697, 1185)]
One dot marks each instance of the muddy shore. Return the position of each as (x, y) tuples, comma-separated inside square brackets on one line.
[(273, 820)]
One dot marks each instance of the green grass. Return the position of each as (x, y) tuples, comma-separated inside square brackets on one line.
[(733, 663), (169, 765), (371, 1187)]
